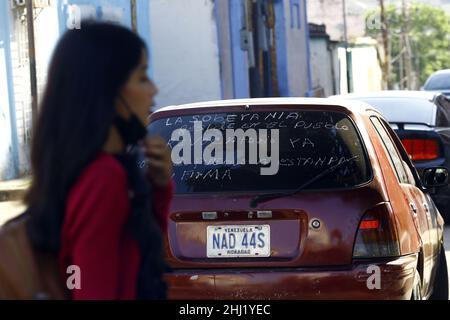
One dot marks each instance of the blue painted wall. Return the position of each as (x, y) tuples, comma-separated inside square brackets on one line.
[(308, 50), (219, 36), (280, 34), (239, 57), (293, 71)]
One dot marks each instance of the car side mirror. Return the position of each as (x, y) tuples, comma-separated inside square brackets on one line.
[(436, 177)]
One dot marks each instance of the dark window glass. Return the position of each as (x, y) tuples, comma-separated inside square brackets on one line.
[(391, 150), (210, 154)]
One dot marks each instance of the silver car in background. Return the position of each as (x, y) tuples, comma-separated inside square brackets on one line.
[(439, 82)]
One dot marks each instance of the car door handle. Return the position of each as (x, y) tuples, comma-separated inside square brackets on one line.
[(413, 208), (427, 209)]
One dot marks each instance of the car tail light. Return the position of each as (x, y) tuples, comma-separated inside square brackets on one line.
[(376, 236), (421, 149)]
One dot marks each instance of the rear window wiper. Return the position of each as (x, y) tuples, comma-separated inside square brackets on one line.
[(271, 196)]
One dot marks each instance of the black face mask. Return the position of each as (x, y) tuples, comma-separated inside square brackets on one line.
[(131, 130)]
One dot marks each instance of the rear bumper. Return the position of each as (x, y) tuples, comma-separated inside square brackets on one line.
[(395, 282)]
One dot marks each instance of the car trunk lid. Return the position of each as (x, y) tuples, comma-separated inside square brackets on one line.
[(309, 229)]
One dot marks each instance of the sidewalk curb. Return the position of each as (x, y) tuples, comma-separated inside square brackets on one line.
[(14, 190), (12, 195)]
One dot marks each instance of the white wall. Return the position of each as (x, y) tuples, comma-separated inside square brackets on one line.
[(297, 57), (46, 36), (324, 61), (366, 71), (367, 75), (184, 51), (337, 70), (343, 86), (321, 65)]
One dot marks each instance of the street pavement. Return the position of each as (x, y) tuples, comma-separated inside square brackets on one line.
[(9, 210), (447, 247)]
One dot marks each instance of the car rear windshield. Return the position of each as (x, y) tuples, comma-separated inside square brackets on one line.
[(263, 151), (405, 110)]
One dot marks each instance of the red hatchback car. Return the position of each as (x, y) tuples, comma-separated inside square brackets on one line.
[(290, 198)]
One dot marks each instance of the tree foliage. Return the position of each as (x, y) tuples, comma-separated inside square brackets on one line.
[(428, 29)]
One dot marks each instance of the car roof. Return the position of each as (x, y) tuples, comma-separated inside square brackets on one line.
[(357, 107), (443, 71), (393, 94)]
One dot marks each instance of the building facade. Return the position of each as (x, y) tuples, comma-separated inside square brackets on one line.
[(199, 50), (326, 69)]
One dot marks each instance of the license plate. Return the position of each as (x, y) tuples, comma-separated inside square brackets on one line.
[(238, 241)]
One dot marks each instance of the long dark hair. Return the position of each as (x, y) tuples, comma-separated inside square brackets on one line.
[(88, 68)]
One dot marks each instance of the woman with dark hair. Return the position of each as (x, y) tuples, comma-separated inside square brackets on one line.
[(88, 201)]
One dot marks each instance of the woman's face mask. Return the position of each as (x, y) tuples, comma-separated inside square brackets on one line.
[(132, 130)]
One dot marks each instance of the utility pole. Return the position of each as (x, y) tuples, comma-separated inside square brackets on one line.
[(133, 10), (401, 70), (32, 59), (406, 44), (347, 54), (386, 64)]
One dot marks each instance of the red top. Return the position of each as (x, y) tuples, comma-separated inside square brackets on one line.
[(94, 237)]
